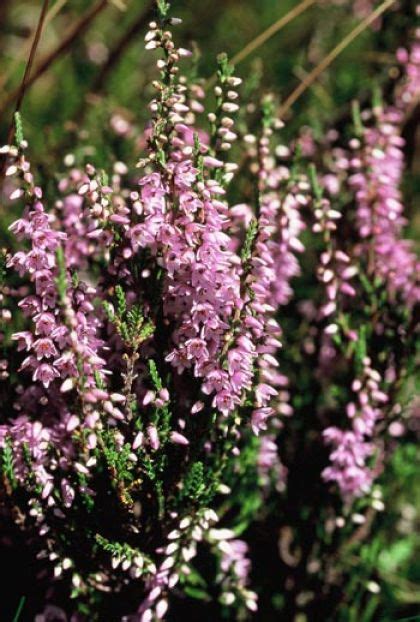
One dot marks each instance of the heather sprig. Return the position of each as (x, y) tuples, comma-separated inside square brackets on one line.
[(183, 335)]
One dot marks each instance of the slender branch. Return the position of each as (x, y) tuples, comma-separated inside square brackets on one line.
[(20, 93), (271, 31), (54, 10), (267, 34), (25, 50), (19, 609), (74, 33), (327, 60), (26, 76)]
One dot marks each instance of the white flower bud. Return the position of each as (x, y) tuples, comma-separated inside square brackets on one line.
[(186, 522), (168, 563), (234, 81), (230, 107)]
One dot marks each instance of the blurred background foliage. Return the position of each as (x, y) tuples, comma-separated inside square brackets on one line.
[(94, 66), (104, 67)]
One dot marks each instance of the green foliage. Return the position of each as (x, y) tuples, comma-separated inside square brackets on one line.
[(117, 458), (18, 128), (7, 464), (87, 500), (357, 118), (154, 374), (123, 551), (195, 586), (250, 237), (121, 301), (3, 269), (61, 279), (268, 112), (75, 281), (316, 186), (198, 158), (360, 349), (104, 178), (225, 70), (130, 324), (98, 380), (163, 8), (162, 414), (194, 485)]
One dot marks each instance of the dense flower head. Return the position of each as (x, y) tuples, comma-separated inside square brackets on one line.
[(352, 459), (377, 163), (97, 403), (63, 336), (407, 93), (202, 277)]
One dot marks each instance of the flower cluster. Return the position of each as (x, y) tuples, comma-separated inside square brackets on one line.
[(374, 167), (407, 94), (63, 343), (335, 269), (352, 449), (178, 288), (377, 164), (234, 569)]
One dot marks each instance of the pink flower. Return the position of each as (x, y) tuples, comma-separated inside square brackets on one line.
[(44, 348), (24, 339), (45, 373), (153, 437), (179, 439)]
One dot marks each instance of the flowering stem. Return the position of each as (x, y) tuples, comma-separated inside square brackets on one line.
[(32, 53), (65, 44), (54, 10), (25, 80)]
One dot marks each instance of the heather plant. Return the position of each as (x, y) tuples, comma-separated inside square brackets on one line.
[(207, 353), (171, 307), (359, 333)]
